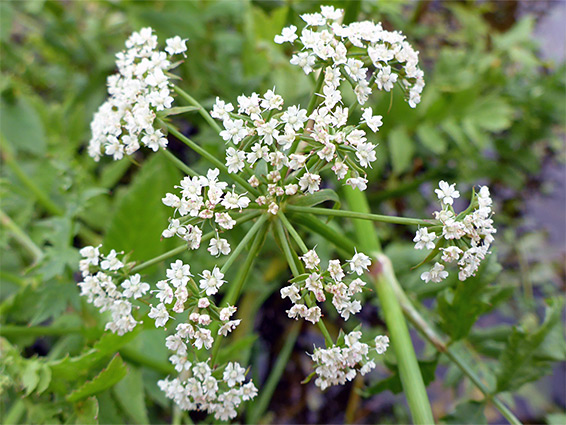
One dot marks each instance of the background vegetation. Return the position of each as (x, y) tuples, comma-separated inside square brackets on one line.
[(492, 113)]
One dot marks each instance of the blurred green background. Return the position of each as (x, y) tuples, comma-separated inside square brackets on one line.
[(493, 112)]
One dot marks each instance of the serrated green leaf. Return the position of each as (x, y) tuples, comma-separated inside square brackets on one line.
[(517, 363), (468, 412), (401, 149), (86, 411), (69, 368), (130, 395), (108, 377), (459, 307)]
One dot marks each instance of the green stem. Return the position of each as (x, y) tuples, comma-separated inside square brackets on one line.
[(287, 250), (183, 248), (232, 297), (202, 111), (210, 157), (360, 215), (23, 239), (180, 164), (15, 330), (257, 410), (431, 336), (243, 243), (314, 97), (382, 274), (39, 194), (293, 232), (15, 413)]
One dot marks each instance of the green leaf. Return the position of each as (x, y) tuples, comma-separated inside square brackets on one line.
[(22, 127), (316, 198), (140, 216), (69, 368), (114, 372), (87, 411), (491, 113), (393, 383), (30, 377), (401, 149), (432, 138), (130, 395), (176, 110), (459, 307), (468, 412), (517, 363)]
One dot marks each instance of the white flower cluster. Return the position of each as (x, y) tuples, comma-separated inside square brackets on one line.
[(341, 363), (468, 234), (274, 142), (199, 389), (137, 92), (349, 50), (181, 287), (204, 198), (99, 274), (330, 281)]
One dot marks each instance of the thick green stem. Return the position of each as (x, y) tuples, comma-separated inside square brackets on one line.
[(430, 334), (293, 232), (383, 275), (360, 215), (409, 371)]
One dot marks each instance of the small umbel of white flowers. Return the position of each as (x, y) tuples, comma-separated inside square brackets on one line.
[(104, 286), (322, 282), (340, 363), (325, 42), (465, 237), (219, 392), (137, 93)]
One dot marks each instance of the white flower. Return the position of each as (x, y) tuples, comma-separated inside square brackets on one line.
[(452, 253), (295, 117), (447, 193), (436, 274), (304, 60), (273, 208), (373, 122), (212, 281), (111, 262), (359, 263), (221, 109), (203, 338), (134, 288), (309, 182), (176, 45), (311, 259), (234, 373), (235, 160), (381, 343), (357, 182), (287, 35), (160, 314), (424, 239), (235, 131), (219, 246), (227, 312), (179, 273)]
